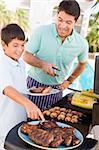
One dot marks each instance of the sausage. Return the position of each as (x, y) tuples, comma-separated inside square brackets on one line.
[(47, 90)]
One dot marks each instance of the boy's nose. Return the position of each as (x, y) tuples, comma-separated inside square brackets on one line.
[(20, 48)]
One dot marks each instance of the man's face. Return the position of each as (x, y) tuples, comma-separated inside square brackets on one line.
[(14, 49), (64, 24)]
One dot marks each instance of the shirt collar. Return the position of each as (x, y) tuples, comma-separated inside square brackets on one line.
[(11, 61), (69, 38), (54, 30)]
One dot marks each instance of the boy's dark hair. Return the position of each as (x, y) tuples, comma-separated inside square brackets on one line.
[(70, 7), (10, 32)]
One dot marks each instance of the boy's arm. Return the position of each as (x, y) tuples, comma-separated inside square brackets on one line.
[(32, 110)]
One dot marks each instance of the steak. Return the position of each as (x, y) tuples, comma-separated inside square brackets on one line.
[(41, 137), (58, 137), (68, 137), (49, 133), (49, 125), (75, 140), (27, 128)]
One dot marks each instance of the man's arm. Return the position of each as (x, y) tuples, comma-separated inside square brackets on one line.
[(32, 60), (77, 71), (36, 62)]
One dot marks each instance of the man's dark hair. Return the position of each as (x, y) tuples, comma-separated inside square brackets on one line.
[(70, 7), (10, 32)]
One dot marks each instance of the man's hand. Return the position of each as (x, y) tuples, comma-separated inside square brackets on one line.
[(77, 71), (64, 85), (48, 68)]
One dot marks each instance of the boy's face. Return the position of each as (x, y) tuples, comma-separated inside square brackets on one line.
[(14, 49)]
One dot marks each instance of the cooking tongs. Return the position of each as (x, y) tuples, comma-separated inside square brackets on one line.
[(57, 70), (40, 121)]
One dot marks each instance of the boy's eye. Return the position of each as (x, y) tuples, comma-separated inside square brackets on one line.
[(16, 46), (23, 45)]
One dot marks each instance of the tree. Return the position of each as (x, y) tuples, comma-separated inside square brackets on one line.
[(22, 18), (93, 33), (6, 16)]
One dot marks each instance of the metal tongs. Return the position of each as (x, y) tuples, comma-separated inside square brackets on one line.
[(57, 70), (41, 121)]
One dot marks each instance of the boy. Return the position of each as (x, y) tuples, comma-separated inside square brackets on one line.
[(14, 107)]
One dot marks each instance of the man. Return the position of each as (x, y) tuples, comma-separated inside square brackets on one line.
[(52, 49)]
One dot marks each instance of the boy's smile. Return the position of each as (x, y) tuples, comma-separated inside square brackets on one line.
[(14, 49)]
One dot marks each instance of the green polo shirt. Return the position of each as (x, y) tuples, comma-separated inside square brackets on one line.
[(47, 45)]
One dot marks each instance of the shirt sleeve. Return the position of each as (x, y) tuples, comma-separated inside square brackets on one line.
[(5, 78), (84, 54), (33, 44)]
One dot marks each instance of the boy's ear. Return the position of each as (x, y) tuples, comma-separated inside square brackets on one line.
[(3, 45)]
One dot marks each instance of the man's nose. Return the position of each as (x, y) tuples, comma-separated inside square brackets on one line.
[(64, 24)]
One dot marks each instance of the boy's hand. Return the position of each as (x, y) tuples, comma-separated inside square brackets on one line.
[(33, 111)]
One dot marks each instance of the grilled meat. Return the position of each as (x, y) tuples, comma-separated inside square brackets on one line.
[(47, 90), (48, 125), (43, 90), (37, 90), (58, 136), (41, 137), (68, 137), (64, 114), (75, 140), (27, 128), (58, 140), (50, 134)]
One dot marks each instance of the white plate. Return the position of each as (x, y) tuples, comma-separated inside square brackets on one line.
[(53, 91), (61, 147)]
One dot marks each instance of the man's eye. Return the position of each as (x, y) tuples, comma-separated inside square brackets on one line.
[(69, 22)]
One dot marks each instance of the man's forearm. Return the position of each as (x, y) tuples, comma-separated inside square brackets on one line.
[(36, 62), (32, 60), (77, 71)]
